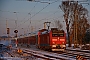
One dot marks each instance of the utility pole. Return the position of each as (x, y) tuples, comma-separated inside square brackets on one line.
[(8, 29), (6, 24), (75, 25), (44, 25), (16, 31), (32, 28), (47, 23), (30, 21), (16, 24)]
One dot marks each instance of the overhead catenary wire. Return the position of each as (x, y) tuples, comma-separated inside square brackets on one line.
[(30, 11), (34, 6), (47, 17), (24, 18), (12, 12), (40, 11), (30, 15)]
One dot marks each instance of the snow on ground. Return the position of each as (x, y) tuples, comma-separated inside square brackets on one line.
[(79, 47), (6, 56), (10, 58)]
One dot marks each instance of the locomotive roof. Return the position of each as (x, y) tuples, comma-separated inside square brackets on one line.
[(43, 30)]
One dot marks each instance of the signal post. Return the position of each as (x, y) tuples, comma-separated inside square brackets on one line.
[(8, 31), (16, 31)]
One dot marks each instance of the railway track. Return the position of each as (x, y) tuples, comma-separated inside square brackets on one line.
[(67, 55), (85, 54), (74, 54), (27, 55), (14, 56), (62, 55), (8, 56), (47, 55), (30, 54)]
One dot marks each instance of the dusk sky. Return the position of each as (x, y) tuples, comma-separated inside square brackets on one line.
[(22, 14)]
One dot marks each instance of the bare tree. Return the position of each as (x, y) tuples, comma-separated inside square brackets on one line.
[(75, 16), (65, 8), (58, 24)]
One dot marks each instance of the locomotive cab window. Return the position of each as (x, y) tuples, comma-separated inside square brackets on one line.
[(59, 33)]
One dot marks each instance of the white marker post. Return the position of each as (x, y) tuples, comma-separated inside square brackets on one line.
[(16, 31), (16, 42)]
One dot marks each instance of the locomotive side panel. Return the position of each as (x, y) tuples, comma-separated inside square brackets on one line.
[(45, 41)]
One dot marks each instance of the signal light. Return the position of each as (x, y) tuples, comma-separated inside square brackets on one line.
[(8, 30), (16, 31)]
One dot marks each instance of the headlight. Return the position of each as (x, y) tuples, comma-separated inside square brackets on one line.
[(62, 39), (63, 42), (54, 39), (53, 42), (53, 45)]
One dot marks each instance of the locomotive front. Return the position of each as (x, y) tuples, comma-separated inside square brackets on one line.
[(58, 40)]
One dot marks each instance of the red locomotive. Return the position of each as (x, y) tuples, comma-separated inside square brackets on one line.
[(53, 39)]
